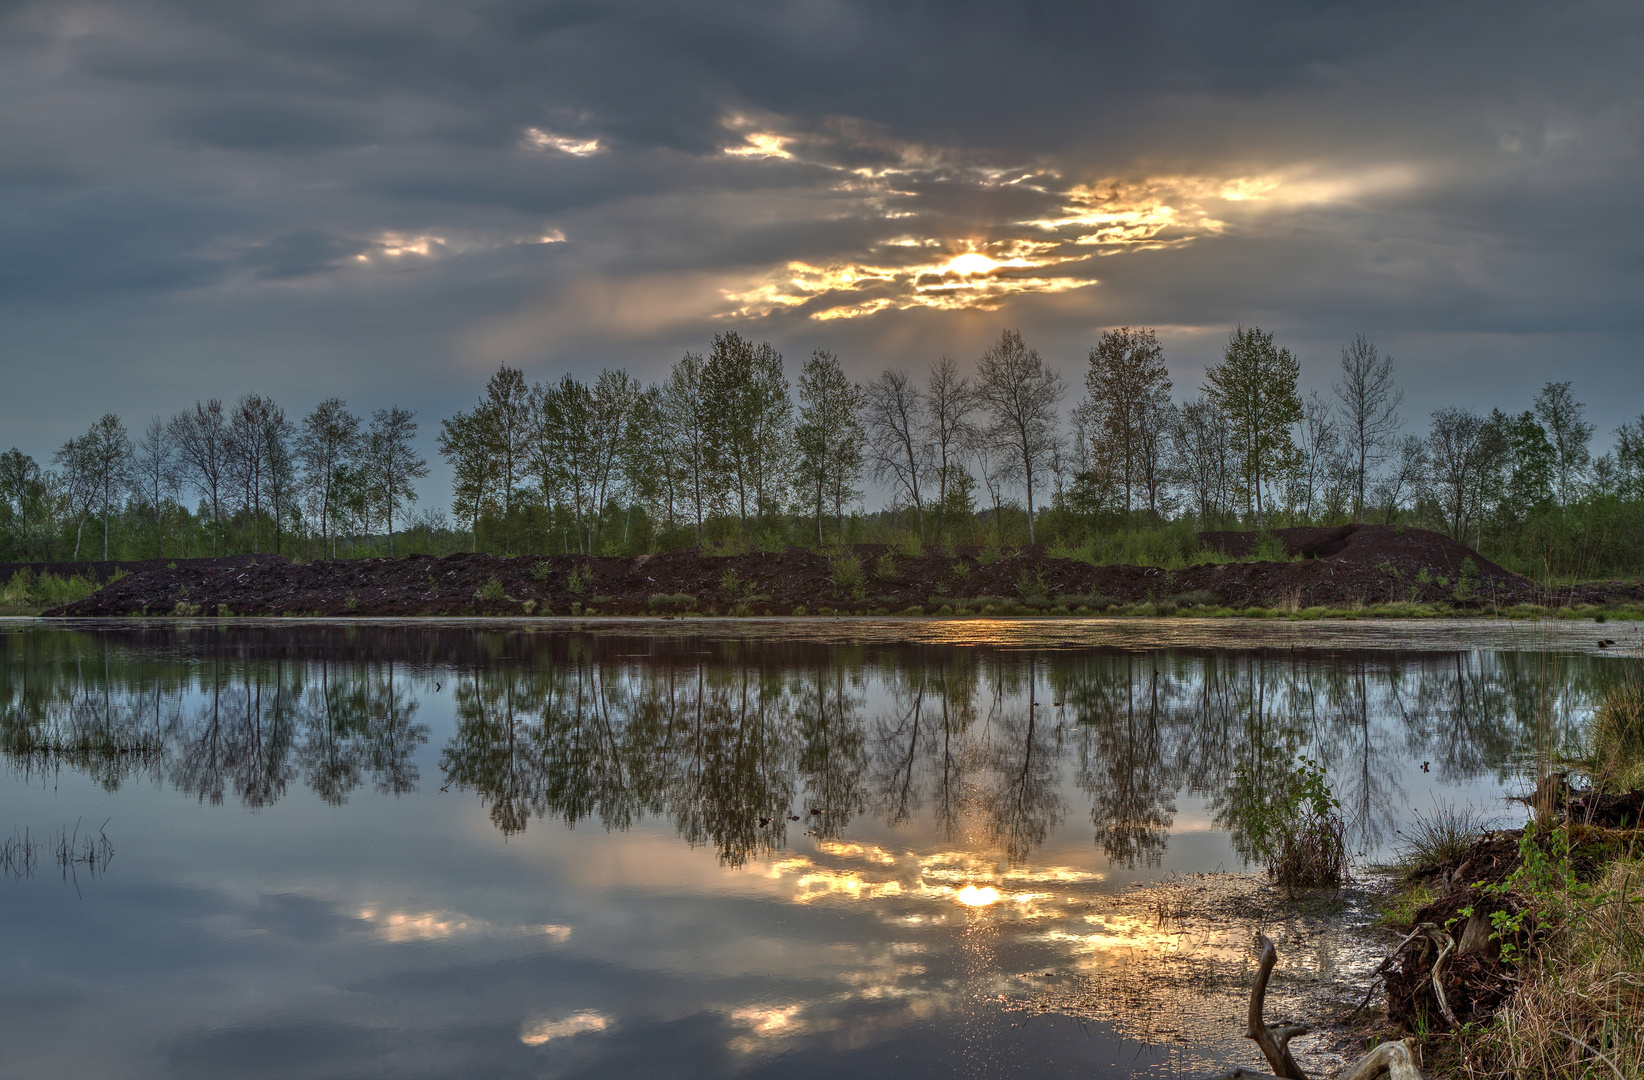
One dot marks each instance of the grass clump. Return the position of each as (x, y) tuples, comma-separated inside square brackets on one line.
[(1618, 734), (1440, 838), (28, 593), (578, 580), (675, 602)]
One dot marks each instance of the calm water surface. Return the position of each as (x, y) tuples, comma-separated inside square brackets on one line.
[(706, 850)]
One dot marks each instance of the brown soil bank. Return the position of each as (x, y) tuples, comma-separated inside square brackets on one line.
[(1367, 564)]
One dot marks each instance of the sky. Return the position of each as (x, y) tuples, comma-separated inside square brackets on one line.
[(384, 200)]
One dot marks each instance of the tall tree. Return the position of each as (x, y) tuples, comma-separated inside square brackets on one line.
[(507, 416), (1561, 416), (751, 417), (688, 425), (25, 506), (614, 402), (1312, 466), (392, 464), (1464, 453), (1128, 394), (950, 404), (1202, 459), (1255, 388), (202, 447), (894, 418), (103, 456), (249, 459), (1369, 402), (828, 438), (327, 444), (564, 452), (1020, 393), (466, 447), (154, 476)]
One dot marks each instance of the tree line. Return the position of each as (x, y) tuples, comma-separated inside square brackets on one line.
[(724, 450)]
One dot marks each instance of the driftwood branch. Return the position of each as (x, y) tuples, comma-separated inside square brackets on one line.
[(1274, 1041), (1396, 1059)]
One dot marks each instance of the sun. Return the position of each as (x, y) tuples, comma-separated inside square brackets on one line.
[(971, 896), (971, 262)]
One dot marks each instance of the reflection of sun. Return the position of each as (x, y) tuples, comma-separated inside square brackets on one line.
[(971, 896), (971, 262)]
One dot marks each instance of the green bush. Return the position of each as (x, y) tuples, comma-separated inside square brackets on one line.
[(847, 573), (492, 590)]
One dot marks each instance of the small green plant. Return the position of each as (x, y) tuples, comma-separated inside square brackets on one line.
[(185, 609), (1424, 576), (910, 547), (351, 602), (578, 580), (1440, 838), (540, 571), (1386, 566), (847, 573), (730, 582), (990, 552), (171, 566), (884, 567), (1268, 548), (1032, 584), (529, 606), (961, 570), (1467, 584), (492, 590), (1297, 829), (799, 609)]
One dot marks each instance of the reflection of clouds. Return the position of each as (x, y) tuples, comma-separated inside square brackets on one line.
[(538, 1032), (396, 926)]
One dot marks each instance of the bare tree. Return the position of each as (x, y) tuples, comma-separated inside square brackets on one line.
[(893, 416), (1561, 416), (1404, 480), (1462, 459), (615, 399), (1319, 444), (154, 476), (829, 439), (392, 464), (1020, 394), (327, 444), (1202, 459), (1369, 403), (1128, 389), (249, 463), (202, 446)]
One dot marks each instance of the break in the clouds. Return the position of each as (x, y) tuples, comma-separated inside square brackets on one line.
[(385, 199)]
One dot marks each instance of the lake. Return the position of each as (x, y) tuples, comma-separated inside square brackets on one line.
[(758, 848)]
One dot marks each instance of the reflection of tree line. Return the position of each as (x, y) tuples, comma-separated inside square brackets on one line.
[(216, 727), (718, 737)]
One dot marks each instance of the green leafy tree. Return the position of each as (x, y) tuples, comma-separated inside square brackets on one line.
[(1561, 417), (1126, 407), (391, 463), (828, 439), (751, 420), (328, 442), (1254, 387)]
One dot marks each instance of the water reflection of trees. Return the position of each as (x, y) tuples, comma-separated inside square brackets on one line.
[(726, 740), (214, 730)]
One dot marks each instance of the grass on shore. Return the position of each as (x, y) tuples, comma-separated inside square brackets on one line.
[(1576, 940), (28, 593)]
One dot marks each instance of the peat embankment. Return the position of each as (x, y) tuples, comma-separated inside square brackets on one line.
[(1369, 564)]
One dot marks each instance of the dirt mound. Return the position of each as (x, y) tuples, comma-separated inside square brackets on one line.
[(1402, 547), (1376, 564)]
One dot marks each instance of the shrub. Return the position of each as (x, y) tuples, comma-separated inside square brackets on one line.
[(885, 567), (1268, 548), (1297, 830), (961, 570), (910, 547), (847, 573), (579, 579), (539, 571), (1032, 584), (530, 606), (671, 602), (492, 590), (799, 609), (731, 582)]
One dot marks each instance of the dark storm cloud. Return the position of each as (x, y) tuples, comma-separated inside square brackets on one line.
[(394, 195)]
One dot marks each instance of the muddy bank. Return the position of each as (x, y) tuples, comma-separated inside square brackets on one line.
[(1371, 564)]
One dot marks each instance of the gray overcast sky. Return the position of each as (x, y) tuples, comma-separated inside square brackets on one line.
[(384, 199)]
